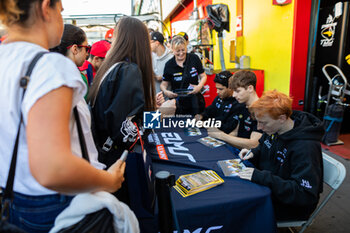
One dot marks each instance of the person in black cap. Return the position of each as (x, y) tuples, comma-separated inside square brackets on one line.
[(160, 55), (224, 105)]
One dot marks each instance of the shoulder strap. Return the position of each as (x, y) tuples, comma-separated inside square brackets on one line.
[(8, 193), (82, 142), (186, 70)]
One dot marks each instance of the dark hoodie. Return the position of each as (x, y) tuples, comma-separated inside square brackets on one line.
[(291, 166)]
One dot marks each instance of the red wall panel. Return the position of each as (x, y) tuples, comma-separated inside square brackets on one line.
[(185, 13), (302, 12)]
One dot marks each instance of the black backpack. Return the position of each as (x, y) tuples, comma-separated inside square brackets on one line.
[(116, 124), (117, 111)]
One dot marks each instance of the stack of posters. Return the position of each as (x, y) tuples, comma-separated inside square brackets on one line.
[(197, 182)]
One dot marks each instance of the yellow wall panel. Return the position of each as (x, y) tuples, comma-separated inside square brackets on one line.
[(267, 31), (167, 29), (227, 37)]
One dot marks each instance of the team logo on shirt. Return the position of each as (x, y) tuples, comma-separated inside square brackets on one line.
[(218, 104), (178, 76), (306, 184), (193, 72), (248, 121), (227, 108), (267, 143), (281, 155)]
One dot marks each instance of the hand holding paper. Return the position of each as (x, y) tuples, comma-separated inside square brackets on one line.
[(246, 174)]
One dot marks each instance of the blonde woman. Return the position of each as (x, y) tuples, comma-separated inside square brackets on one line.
[(185, 73)]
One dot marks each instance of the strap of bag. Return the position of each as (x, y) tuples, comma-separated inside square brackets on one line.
[(82, 142), (8, 192), (186, 71)]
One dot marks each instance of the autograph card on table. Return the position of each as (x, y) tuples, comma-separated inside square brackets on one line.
[(211, 142), (231, 167), (193, 132)]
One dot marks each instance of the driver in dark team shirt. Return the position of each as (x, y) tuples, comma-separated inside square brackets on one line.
[(224, 105), (245, 133)]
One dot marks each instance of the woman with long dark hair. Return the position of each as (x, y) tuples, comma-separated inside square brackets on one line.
[(47, 168), (131, 44), (122, 90), (127, 73)]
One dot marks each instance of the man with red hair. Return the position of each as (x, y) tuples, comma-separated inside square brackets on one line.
[(288, 159)]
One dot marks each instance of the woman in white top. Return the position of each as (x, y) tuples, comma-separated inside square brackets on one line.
[(46, 165)]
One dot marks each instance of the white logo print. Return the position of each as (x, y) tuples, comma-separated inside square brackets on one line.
[(174, 143), (129, 131), (328, 32), (306, 184), (268, 143)]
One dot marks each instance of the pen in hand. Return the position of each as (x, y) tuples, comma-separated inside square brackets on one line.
[(248, 152)]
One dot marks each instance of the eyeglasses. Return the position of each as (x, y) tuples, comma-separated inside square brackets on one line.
[(87, 47)]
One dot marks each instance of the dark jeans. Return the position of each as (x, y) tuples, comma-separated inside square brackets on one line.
[(36, 214)]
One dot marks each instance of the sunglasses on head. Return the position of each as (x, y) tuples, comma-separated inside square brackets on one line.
[(87, 47), (221, 76)]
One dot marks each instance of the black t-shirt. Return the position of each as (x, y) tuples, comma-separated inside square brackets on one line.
[(223, 110), (174, 73), (246, 124)]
